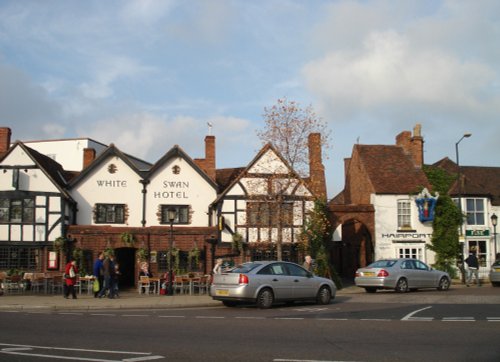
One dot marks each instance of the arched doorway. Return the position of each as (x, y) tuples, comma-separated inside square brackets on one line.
[(125, 257), (356, 249)]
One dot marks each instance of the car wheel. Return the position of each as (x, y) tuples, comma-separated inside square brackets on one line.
[(324, 295), (371, 290), (402, 286), (265, 299), (230, 303), (444, 284)]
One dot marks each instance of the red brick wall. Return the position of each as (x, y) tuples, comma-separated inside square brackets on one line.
[(5, 134), (316, 168)]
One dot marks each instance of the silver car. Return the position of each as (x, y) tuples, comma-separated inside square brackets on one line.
[(495, 274), (401, 275), (266, 282)]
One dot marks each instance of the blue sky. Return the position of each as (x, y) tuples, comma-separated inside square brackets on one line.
[(146, 75)]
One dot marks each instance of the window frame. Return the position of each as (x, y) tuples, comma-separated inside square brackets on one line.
[(473, 214), (182, 214), (404, 214), (263, 213), (108, 212), (25, 210)]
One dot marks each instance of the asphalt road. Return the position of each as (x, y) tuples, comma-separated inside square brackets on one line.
[(358, 327)]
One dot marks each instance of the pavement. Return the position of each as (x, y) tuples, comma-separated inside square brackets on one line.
[(130, 299)]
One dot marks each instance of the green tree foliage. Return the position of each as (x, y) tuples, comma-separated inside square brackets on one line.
[(447, 221), (316, 234)]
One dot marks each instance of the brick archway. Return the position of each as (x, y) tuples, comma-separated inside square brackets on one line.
[(356, 249)]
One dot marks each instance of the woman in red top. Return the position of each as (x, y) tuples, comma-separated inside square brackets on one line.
[(70, 273)]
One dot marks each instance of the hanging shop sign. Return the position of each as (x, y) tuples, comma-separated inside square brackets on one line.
[(426, 205)]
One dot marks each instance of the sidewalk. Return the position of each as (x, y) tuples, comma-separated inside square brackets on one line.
[(132, 300)]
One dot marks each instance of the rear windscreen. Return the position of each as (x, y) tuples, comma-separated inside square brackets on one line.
[(245, 268)]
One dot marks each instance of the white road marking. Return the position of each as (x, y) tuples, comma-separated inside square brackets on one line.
[(493, 319), (331, 319), (69, 313), (208, 317), (136, 315), (250, 317), (283, 318), (459, 319), (172, 316), (104, 314), (410, 315), (15, 349)]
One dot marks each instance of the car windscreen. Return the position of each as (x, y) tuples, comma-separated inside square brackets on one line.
[(382, 264), (245, 268)]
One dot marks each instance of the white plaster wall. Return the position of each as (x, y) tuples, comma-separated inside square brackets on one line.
[(386, 229), (186, 188), (69, 153), (269, 163), (101, 186)]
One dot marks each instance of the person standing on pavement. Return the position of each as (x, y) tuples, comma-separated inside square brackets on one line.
[(70, 274), (98, 272), (473, 268), (308, 263)]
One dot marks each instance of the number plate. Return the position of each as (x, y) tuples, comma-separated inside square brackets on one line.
[(497, 269), (222, 292), (368, 274)]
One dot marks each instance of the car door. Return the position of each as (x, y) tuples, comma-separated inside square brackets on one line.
[(304, 285), (276, 276), (408, 271), (425, 275)]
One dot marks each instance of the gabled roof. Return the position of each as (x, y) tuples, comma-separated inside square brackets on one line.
[(176, 152), (479, 181), (51, 168), (391, 170), (112, 150), (238, 173), (225, 176)]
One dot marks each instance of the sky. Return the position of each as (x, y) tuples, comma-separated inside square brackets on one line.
[(147, 75)]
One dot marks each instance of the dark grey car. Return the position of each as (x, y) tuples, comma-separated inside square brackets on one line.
[(266, 282)]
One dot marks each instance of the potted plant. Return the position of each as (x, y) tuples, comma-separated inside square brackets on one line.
[(127, 238), (142, 254)]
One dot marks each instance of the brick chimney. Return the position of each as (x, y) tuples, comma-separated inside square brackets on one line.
[(316, 168), (88, 156), (210, 156), (5, 134), (412, 145)]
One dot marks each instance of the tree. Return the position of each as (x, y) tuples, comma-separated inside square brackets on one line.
[(447, 220), (287, 128)]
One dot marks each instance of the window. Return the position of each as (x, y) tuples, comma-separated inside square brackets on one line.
[(181, 214), (20, 210), (475, 211), (266, 214), (20, 258), (110, 214), (415, 253), (404, 214), (479, 247)]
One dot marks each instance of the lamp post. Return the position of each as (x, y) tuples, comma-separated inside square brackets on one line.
[(466, 135), (494, 221), (172, 214)]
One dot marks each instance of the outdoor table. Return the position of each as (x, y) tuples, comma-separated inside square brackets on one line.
[(157, 284), (89, 281)]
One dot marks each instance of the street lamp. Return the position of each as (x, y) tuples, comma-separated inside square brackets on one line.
[(494, 221), (171, 214), (466, 135)]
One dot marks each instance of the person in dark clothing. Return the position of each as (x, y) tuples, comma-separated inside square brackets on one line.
[(108, 269), (473, 268), (98, 272)]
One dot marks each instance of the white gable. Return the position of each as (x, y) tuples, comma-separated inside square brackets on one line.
[(30, 179), (269, 163), (177, 182), (110, 182)]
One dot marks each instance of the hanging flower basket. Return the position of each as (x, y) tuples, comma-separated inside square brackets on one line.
[(142, 254), (128, 238)]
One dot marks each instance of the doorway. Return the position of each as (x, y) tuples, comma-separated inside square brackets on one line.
[(125, 257)]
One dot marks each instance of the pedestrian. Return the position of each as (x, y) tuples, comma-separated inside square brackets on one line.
[(116, 277), (70, 273), (218, 266), (98, 273), (308, 263), (473, 268), (107, 268)]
